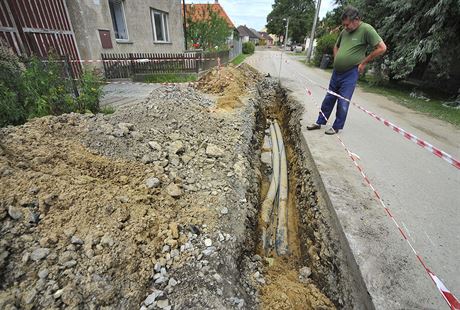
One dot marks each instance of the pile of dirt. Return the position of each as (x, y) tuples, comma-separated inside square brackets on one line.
[(230, 84), (154, 207), (75, 225), (148, 207), (284, 290)]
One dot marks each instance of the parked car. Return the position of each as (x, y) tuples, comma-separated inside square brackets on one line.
[(298, 49)]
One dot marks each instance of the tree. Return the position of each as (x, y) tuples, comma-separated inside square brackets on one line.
[(423, 37), (330, 23), (300, 12), (206, 29)]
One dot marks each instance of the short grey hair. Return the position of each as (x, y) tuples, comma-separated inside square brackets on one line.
[(350, 13)]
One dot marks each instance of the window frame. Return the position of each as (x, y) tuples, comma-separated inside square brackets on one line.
[(122, 3), (164, 23)]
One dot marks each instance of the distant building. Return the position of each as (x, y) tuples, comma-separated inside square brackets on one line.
[(200, 11), (248, 35), (268, 39)]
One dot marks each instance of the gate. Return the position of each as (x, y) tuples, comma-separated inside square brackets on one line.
[(36, 27)]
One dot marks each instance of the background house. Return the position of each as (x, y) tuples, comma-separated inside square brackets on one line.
[(85, 29), (248, 35), (200, 12), (127, 26), (267, 38)]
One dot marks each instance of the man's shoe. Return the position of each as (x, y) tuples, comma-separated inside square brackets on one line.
[(331, 131), (313, 127)]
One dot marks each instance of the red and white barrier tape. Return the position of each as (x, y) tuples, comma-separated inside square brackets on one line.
[(451, 300), (164, 84), (409, 136), (143, 60), (428, 146)]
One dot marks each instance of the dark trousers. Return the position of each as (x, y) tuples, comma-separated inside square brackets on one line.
[(342, 83)]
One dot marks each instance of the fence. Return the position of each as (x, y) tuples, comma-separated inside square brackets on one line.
[(210, 59), (237, 48), (36, 27), (117, 66)]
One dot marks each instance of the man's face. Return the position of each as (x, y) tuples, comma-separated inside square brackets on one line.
[(350, 24)]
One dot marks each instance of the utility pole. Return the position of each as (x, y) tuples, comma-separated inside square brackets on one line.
[(287, 34), (284, 49), (184, 8), (313, 29)]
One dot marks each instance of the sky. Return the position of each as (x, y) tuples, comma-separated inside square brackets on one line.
[(253, 13)]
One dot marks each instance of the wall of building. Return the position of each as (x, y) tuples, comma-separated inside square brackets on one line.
[(90, 16)]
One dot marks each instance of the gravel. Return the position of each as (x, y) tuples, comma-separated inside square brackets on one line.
[(128, 204), (39, 254)]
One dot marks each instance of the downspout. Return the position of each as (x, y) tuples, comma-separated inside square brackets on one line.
[(185, 24)]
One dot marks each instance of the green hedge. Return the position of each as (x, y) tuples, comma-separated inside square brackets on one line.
[(325, 45), (248, 48)]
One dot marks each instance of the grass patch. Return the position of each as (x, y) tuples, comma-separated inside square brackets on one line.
[(401, 94), (239, 59), (107, 110), (170, 78)]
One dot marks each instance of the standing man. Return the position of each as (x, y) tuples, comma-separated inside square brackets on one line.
[(349, 61)]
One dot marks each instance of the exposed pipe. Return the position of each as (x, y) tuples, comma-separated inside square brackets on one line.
[(267, 205), (282, 246), (274, 210)]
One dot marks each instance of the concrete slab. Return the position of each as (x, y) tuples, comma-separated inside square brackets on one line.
[(117, 95), (421, 190)]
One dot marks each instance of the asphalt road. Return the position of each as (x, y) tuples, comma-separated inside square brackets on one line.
[(422, 191)]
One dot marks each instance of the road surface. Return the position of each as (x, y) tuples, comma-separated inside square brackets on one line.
[(422, 191), (122, 93)]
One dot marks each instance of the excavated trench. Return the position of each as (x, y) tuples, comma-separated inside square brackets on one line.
[(316, 271)]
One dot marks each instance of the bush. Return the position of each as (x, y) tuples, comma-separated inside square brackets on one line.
[(42, 88), (11, 99), (325, 45), (90, 92), (11, 113), (248, 48), (47, 91)]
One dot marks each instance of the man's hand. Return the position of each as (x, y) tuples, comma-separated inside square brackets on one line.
[(378, 50)]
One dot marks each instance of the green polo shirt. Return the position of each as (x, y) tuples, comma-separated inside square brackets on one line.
[(353, 45)]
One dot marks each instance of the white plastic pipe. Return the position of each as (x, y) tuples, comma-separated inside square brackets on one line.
[(267, 205), (282, 245)]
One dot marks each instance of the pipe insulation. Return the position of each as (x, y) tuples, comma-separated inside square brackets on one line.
[(282, 246), (267, 205)]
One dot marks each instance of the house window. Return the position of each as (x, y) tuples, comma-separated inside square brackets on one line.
[(117, 12), (160, 26)]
